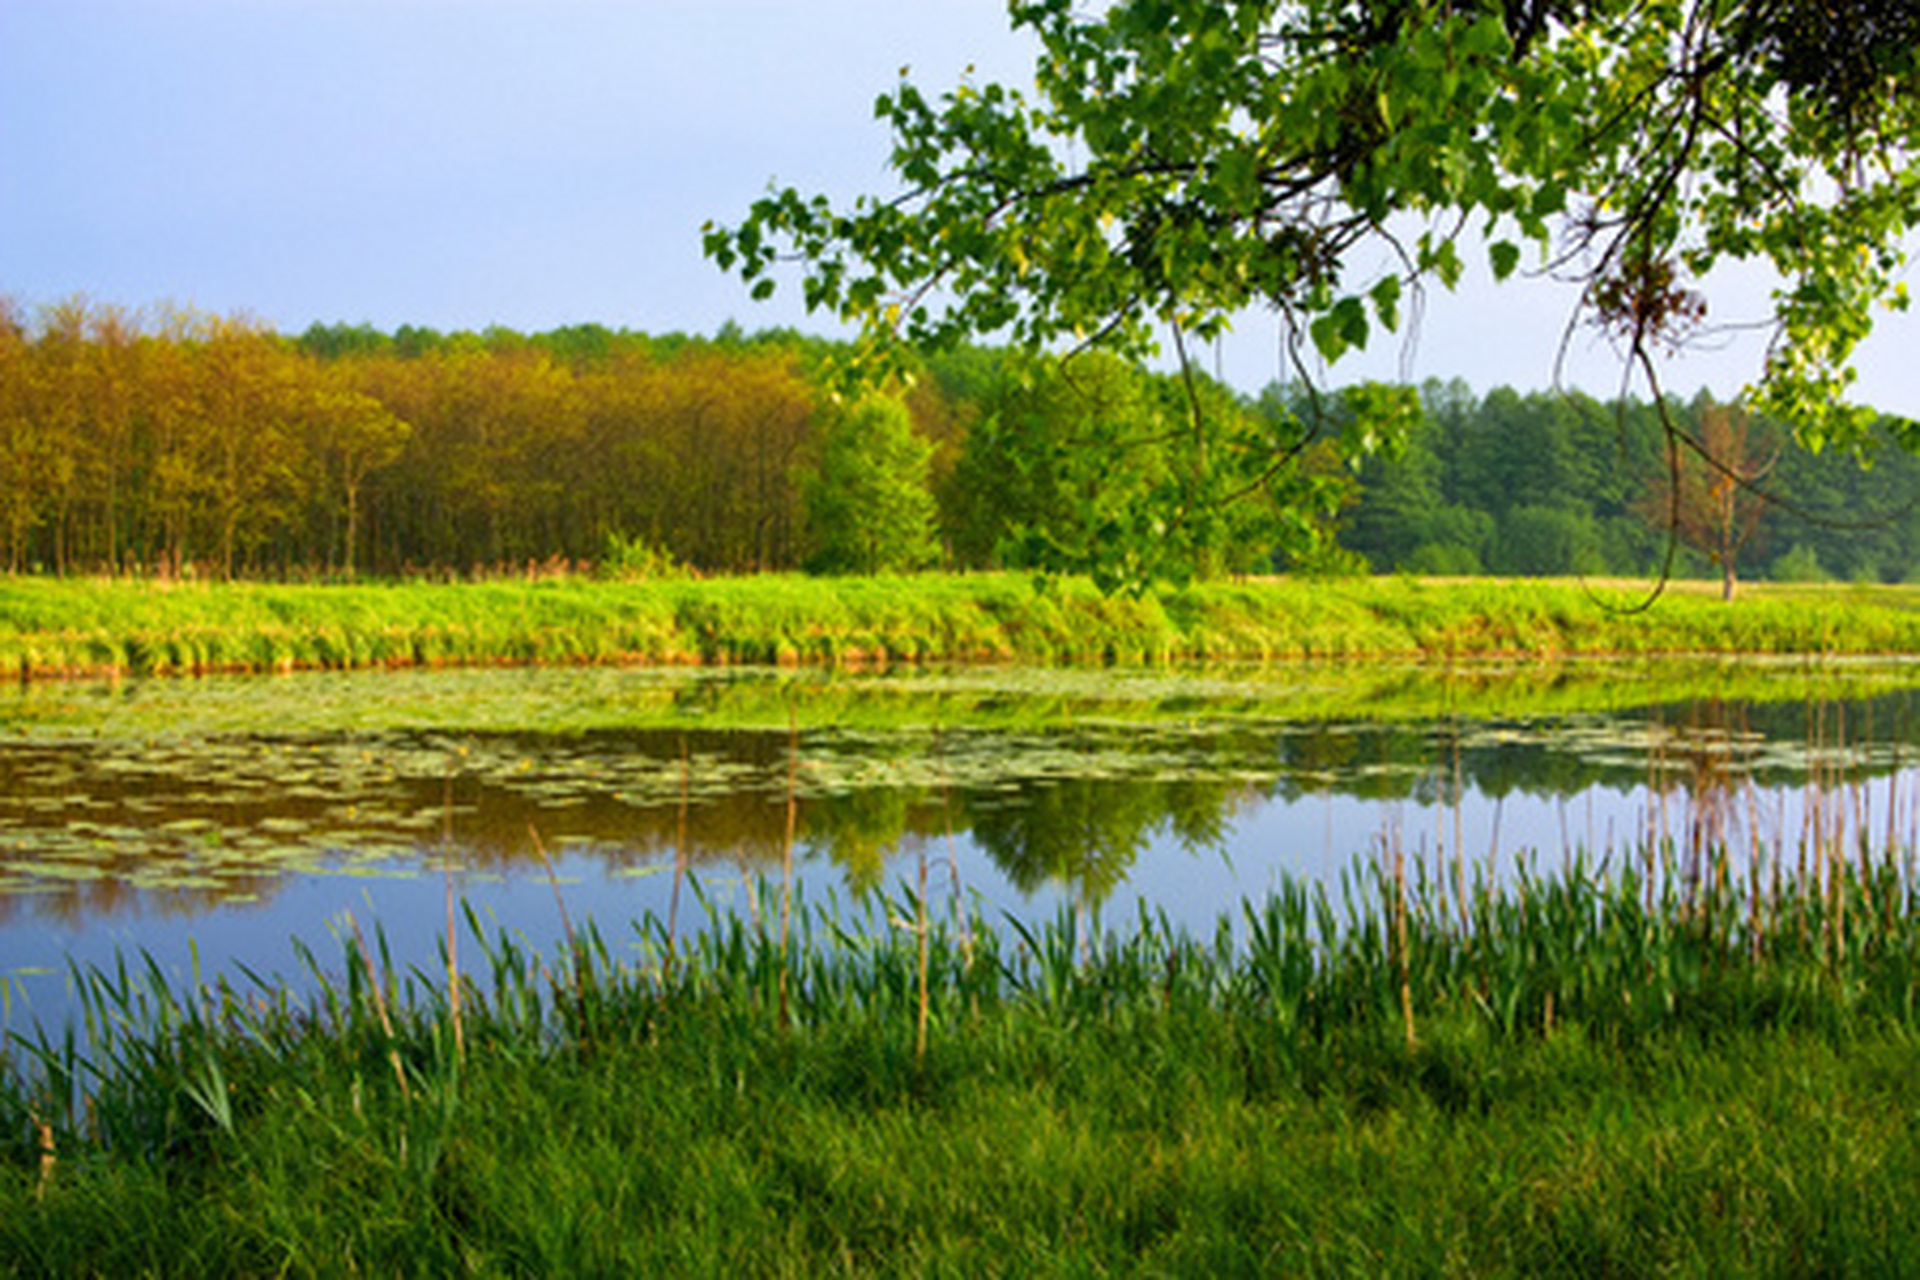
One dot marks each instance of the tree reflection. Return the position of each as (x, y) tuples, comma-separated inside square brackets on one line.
[(91, 830), (1086, 833), (858, 830)]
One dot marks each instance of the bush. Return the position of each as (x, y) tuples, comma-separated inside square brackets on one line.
[(1444, 560), (1800, 564), (636, 560), (1539, 541), (1331, 560)]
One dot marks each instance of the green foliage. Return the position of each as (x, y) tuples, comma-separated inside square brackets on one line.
[(1537, 541), (1207, 141), (1177, 163), (1852, 519), (868, 506), (636, 560), (1473, 1070), (196, 445), (1093, 466), (1560, 484), (483, 454)]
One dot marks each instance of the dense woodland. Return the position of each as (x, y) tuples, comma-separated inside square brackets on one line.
[(178, 442)]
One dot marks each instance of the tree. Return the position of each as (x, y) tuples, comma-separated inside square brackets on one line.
[(1180, 161), (1096, 466), (1711, 498), (867, 500), (21, 440), (113, 384), (1402, 520), (1856, 524), (735, 424), (1055, 474), (246, 409), (354, 435), (58, 431), (1536, 540)]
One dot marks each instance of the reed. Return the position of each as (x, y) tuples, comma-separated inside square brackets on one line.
[(1608, 949), (875, 1086)]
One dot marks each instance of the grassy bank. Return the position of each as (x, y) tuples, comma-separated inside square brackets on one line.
[(1634, 1072), (53, 627)]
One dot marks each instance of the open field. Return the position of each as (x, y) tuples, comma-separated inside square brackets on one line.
[(1639, 1071), (90, 627)]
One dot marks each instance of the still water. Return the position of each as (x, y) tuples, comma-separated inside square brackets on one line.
[(210, 824)]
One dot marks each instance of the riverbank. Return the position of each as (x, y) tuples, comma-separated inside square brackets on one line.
[(93, 627), (1567, 1074)]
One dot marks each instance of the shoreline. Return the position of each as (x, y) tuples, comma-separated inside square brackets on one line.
[(97, 628)]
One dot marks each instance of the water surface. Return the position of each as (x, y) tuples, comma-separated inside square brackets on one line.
[(210, 823)]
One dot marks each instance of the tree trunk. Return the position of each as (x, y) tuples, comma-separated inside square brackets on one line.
[(353, 521)]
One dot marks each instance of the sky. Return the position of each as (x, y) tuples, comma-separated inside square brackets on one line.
[(458, 164)]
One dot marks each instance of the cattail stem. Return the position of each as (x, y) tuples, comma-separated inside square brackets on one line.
[(453, 934), (786, 852), (923, 929), (679, 864)]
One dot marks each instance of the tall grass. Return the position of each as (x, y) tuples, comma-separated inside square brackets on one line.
[(1653, 1062), (50, 627)]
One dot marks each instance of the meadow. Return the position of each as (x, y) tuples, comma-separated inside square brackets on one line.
[(55, 627)]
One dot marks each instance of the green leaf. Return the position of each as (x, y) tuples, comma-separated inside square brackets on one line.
[(1340, 330), (1386, 302), (1505, 256)]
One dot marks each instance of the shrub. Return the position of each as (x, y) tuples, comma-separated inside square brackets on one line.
[(1800, 564)]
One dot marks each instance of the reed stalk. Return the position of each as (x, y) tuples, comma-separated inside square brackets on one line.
[(1399, 921), (47, 1158), (377, 993), (579, 963), (924, 929), (681, 859), (453, 933), (786, 855)]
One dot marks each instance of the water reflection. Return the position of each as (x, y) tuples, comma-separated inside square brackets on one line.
[(211, 823), (96, 826)]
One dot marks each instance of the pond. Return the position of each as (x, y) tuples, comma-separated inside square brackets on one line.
[(212, 823)]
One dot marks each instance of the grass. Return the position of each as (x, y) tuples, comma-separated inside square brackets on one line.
[(1648, 1066), (1667, 1061), (67, 627)]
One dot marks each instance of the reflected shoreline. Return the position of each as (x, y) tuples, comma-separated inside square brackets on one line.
[(116, 827)]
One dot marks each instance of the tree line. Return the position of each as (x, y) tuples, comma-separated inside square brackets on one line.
[(186, 440), (1558, 483), (174, 441)]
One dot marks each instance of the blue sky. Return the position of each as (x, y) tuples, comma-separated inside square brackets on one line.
[(531, 163)]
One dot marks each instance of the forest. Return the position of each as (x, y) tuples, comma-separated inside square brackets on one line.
[(173, 442)]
